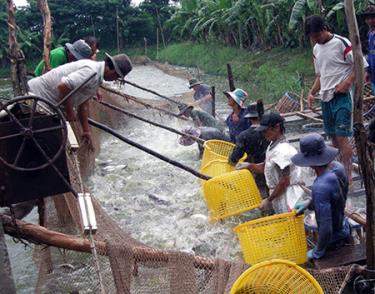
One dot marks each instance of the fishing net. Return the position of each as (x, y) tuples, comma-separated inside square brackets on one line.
[(127, 265)]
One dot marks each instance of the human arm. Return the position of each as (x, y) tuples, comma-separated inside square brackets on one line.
[(238, 151), (83, 115), (64, 90), (279, 189), (204, 98), (314, 89), (345, 85), (257, 168), (324, 219)]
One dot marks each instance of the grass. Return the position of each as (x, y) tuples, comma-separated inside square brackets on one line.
[(266, 74)]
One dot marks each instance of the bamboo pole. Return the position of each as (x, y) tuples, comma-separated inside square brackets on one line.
[(213, 95), (44, 9), (360, 135), (152, 92), (147, 105), (147, 150), (230, 77), (40, 235), (150, 122), (16, 56)]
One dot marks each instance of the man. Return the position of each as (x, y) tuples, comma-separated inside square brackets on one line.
[(236, 121), (206, 127), (57, 83), (329, 193), (250, 141), (333, 61), (200, 118), (369, 15), (61, 55), (253, 144), (281, 174), (202, 96)]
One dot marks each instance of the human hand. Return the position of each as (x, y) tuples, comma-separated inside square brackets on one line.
[(99, 95), (242, 165), (310, 254), (86, 139), (301, 206), (265, 204), (343, 87), (310, 101)]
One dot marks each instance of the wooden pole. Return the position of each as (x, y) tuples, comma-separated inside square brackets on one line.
[(40, 235), (157, 43), (117, 31), (160, 27), (230, 77), (365, 161), (16, 56), (151, 122), (213, 94), (44, 9), (145, 40)]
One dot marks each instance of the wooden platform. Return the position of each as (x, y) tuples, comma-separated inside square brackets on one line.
[(343, 256)]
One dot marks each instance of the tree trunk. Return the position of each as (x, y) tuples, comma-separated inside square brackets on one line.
[(17, 59), (365, 161), (44, 9)]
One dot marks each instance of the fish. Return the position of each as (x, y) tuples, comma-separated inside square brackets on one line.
[(159, 199)]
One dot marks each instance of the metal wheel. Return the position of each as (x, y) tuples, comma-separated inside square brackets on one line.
[(28, 132)]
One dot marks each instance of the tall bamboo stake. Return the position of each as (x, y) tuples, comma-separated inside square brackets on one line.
[(44, 9), (230, 77), (365, 160), (17, 59)]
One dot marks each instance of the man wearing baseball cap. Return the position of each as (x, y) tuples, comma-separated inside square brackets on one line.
[(58, 82), (281, 174), (61, 55), (329, 193)]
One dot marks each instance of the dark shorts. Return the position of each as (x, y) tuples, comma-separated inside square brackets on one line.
[(337, 116)]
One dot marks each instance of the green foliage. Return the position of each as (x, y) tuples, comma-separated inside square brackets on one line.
[(265, 74)]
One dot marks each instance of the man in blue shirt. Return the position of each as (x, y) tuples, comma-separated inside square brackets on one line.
[(329, 193), (202, 96), (369, 15)]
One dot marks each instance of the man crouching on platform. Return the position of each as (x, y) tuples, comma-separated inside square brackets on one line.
[(329, 192)]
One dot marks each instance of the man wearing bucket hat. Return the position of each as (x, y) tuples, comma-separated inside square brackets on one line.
[(236, 121), (281, 174), (57, 83), (61, 55), (329, 192), (202, 95), (369, 16)]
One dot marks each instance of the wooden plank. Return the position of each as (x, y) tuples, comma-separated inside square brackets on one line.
[(342, 256), (72, 140)]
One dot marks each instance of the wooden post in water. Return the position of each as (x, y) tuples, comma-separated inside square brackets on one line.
[(157, 43), (44, 9), (213, 100), (145, 40), (365, 161), (230, 77)]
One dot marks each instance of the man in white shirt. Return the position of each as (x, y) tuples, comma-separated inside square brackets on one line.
[(334, 68), (57, 83)]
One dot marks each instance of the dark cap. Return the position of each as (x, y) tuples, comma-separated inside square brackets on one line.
[(121, 63), (194, 82), (314, 24), (314, 151), (369, 11), (252, 111), (269, 120)]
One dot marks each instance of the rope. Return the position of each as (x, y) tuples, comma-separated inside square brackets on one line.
[(75, 164), (147, 150), (150, 122)]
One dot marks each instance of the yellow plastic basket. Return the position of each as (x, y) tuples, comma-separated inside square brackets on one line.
[(217, 149), (217, 167), (276, 277), (230, 194), (279, 236)]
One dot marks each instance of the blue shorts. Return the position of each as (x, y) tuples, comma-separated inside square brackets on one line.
[(337, 116)]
